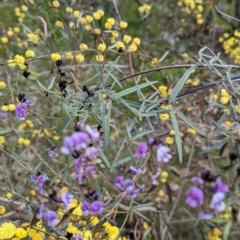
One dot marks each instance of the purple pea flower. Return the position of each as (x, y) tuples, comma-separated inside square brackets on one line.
[(142, 150), (94, 134), (155, 178), (3, 115), (118, 182), (128, 184), (21, 111), (134, 170), (220, 187), (66, 198), (96, 207), (40, 211), (205, 216), (51, 218), (195, 197), (80, 140), (39, 179), (217, 202), (91, 152), (90, 171), (197, 181), (86, 208), (67, 147), (163, 154), (78, 237), (134, 192)]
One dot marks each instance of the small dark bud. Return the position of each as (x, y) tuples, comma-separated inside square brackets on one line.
[(62, 85), (92, 195), (208, 177), (75, 154), (233, 156), (58, 63), (63, 74), (46, 93), (68, 236), (22, 98), (85, 88), (26, 73), (99, 127)]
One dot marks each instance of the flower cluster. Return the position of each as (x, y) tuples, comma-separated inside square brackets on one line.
[(21, 108), (196, 195), (94, 208), (230, 44), (127, 186)]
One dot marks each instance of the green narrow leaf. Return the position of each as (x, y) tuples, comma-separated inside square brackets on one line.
[(133, 89), (141, 215), (124, 160), (227, 230), (215, 146), (142, 134), (65, 123), (177, 135), (51, 83), (176, 90), (104, 158), (189, 122), (106, 126)]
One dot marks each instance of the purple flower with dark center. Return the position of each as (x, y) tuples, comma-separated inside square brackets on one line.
[(205, 216), (96, 207), (220, 187), (90, 171), (197, 181), (91, 152), (93, 133), (39, 179), (195, 197), (51, 218), (21, 111), (40, 211), (217, 202), (134, 170), (163, 154), (118, 182), (66, 198), (155, 178), (86, 208), (67, 147), (142, 150)]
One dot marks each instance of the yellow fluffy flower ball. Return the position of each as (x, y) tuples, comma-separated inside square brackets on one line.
[(56, 4), (30, 54), (123, 24), (2, 85), (79, 58), (7, 230), (102, 47), (55, 57)]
